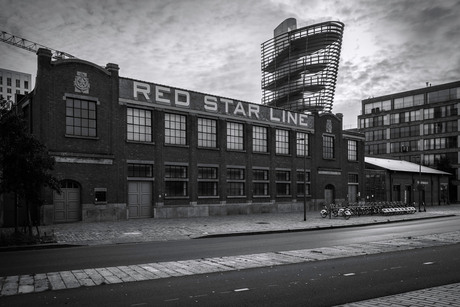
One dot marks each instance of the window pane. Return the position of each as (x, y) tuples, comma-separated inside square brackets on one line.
[(175, 129), (207, 133), (235, 139), (259, 139), (282, 142), (78, 115), (138, 128)]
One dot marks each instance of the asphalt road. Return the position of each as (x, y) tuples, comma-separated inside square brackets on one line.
[(59, 259), (320, 283)]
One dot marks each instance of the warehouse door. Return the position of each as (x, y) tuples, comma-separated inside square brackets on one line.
[(329, 194), (67, 207), (140, 199)]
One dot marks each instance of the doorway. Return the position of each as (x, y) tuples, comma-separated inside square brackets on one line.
[(67, 207), (329, 194), (140, 199)]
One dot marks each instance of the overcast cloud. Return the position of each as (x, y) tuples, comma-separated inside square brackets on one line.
[(213, 46)]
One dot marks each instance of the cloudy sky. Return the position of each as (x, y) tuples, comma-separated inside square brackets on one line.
[(213, 46)]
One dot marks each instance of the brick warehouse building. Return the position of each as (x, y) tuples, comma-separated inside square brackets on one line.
[(131, 149)]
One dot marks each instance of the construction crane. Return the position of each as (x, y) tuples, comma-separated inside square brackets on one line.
[(32, 46)]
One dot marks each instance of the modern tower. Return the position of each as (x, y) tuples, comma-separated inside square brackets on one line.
[(299, 66)]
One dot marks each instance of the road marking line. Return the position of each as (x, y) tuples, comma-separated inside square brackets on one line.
[(240, 290), (349, 274), (429, 262), (172, 300)]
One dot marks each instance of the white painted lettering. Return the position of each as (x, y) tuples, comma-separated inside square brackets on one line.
[(239, 109), (254, 109), (303, 120), (227, 103), (159, 92), (179, 103), (272, 116), (292, 118), (210, 103), (142, 88)]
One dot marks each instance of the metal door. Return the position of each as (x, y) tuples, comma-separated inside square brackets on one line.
[(67, 206), (140, 199)]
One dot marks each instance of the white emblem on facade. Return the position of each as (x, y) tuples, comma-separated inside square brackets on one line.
[(81, 83), (329, 126)]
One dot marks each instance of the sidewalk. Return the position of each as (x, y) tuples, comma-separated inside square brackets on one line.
[(145, 230), (177, 229)]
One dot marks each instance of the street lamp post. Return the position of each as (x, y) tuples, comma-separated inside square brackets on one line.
[(305, 177)]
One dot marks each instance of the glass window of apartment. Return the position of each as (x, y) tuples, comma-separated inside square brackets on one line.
[(259, 139), (328, 147), (176, 181), (236, 182), (394, 133), (207, 181), (368, 108), (303, 182), (398, 103), (1, 80), (408, 101), (207, 133), (439, 96), (235, 136), (283, 183), (369, 122), (260, 178), (175, 129), (428, 113), (394, 118), (386, 120), (416, 115), (140, 170), (404, 132), (8, 81), (352, 150), (414, 130), (282, 142), (139, 125), (452, 110), (419, 99), (302, 141), (80, 117), (386, 105), (18, 83), (26, 84)]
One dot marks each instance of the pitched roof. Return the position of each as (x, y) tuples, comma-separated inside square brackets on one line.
[(402, 166)]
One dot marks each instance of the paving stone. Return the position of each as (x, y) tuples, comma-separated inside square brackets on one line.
[(97, 278), (155, 271), (165, 269), (69, 279), (10, 285), (41, 285), (26, 280), (23, 289), (56, 281), (174, 266)]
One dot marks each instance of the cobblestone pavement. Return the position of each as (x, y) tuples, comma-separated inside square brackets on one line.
[(448, 295), (145, 230), (150, 230)]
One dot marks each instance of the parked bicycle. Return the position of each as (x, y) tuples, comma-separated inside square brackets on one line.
[(336, 211)]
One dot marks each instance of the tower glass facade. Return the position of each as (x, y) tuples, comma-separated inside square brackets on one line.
[(299, 66)]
